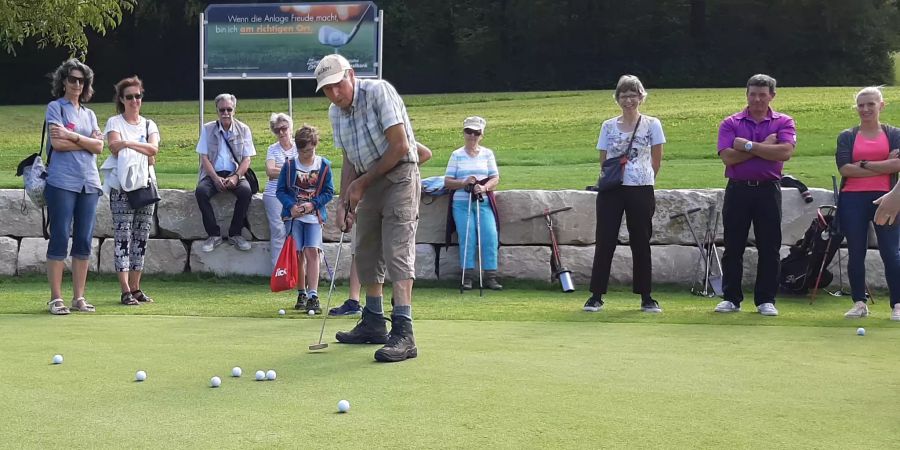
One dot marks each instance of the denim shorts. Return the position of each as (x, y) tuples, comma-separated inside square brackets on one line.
[(306, 235), (70, 213)]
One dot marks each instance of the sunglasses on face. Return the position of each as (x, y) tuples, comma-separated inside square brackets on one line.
[(72, 79), (133, 96), (280, 130), (225, 110), (472, 132)]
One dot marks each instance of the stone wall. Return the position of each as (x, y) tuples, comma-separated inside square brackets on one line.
[(525, 244)]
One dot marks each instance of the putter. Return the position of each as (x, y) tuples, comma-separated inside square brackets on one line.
[(687, 218), (462, 279), (337, 259), (478, 243)]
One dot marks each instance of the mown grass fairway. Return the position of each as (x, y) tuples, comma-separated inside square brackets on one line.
[(543, 140), (524, 368)]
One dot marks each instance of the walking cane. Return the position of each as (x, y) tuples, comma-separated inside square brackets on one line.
[(462, 279)]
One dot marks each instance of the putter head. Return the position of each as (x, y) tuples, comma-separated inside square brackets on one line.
[(319, 346)]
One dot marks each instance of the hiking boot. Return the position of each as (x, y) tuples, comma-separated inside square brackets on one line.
[(767, 309), (301, 301), (401, 344), (650, 306), (349, 308), (490, 280), (239, 243), (211, 243), (726, 306), (371, 329), (467, 284), (593, 304), (858, 311), (312, 304), (895, 314)]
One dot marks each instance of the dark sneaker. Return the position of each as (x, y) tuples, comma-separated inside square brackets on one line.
[(467, 284), (650, 306), (401, 344), (312, 304), (301, 301), (349, 308), (593, 304), (371, 329), (492, 284)]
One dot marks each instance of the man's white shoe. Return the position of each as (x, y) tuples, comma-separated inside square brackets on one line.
[(210, 243), (767, 309), (239, 243), (895, 315), (858, 310), (727, 307)]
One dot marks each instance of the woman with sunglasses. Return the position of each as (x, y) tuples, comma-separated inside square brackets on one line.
[(472, 173), (867, 158), (134, 143), (639, 140), (73, 182), (282, 127)]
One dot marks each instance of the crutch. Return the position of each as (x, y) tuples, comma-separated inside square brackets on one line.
[(337, 259), (462, 280), (478, 203)]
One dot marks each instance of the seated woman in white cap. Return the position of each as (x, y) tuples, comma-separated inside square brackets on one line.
[(472, 173)]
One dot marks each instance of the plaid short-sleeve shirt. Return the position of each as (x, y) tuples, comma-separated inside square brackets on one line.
[(359, 131)]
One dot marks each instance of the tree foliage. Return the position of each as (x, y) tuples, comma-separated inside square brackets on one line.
[(58, 23)]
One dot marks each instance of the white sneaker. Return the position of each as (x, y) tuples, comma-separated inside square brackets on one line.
[(767, 309), (727, 307), (211, 243), (858, 310), (239, 243), (895, 315)]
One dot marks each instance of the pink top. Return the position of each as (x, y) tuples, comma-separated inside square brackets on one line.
[(868, 149)]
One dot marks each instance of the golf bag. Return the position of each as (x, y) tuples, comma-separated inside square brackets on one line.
[(806, 266)]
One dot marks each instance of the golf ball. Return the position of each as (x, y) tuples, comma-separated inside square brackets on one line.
[(311, 312), (57, 359), (343, 406), (236, 372), (215, 382), (140, 375), (861, 331), (270, 375), (260, 375), (280, 312)]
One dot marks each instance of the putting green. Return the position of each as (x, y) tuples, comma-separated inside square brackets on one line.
[(475, 385)]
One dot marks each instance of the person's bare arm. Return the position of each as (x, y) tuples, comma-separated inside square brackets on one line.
[(116, 144), (888, 207), (64, 140), (424, 153), (770, 151), (272, 169), (656, 154)]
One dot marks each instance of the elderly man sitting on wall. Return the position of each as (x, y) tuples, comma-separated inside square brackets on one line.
[(225, 148)]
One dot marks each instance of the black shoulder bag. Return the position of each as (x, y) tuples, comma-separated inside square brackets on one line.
[(612, 170), (149, 194)]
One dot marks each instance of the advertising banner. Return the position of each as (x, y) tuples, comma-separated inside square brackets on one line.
[(277, 39)]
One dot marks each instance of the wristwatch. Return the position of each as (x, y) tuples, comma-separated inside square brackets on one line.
[(863, 163), (748, 146)]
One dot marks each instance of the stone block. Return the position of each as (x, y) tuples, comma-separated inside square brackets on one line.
[(32, 257), (573, 227), (179, 216), (9, 248), (20, 218), (162, 256), (227, 260)]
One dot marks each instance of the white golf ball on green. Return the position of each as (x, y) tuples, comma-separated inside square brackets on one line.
[(311, 312), (57, 359), (140, 375), (280, 312), (260, 375), (215, 382), (861, 331), (270, 374), (343, 406), (236, 372)]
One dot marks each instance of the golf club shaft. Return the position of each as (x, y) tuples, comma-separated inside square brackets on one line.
[(337, 260)]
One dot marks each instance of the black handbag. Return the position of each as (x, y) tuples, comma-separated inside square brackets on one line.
[(147, 195), (250, 176), (612, 170)]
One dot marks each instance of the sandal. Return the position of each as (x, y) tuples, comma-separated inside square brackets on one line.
[(58, 307), (128, 300), (81, 305), (140, 296)]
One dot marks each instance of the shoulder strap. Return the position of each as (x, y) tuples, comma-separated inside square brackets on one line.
[(237, 160), (634, 132)]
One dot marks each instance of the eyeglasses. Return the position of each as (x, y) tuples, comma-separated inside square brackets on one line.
[(133, 96), (280, 130), (472, 132), (75, 80), (625, 97), (225, 110)]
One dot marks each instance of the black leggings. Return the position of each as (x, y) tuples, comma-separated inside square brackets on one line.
[(638, 203)]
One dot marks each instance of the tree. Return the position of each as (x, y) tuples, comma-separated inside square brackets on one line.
[(60, 23)]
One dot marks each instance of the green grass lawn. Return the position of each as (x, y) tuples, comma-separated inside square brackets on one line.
[(543, 140), (523, 368)]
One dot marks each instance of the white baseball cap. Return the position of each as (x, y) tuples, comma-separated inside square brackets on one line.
[(331, 70), (474, 123)]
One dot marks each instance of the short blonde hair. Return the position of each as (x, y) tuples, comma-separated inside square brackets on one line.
[(630, 83)]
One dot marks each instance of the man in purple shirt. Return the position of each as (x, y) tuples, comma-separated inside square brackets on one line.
[(754, 144)]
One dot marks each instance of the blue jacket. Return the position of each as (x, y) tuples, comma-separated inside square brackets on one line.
[(287, 193)]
